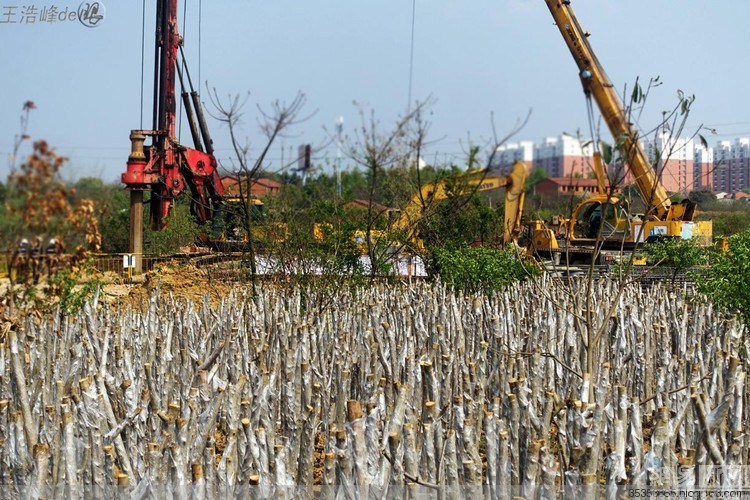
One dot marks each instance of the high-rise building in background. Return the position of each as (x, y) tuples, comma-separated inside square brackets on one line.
[(684, 164), (561, 156), (703, 168), (564, 156), (507, 154), (673, 159), (731, 169)]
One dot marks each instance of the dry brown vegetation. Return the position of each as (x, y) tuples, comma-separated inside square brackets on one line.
[(46, 208)]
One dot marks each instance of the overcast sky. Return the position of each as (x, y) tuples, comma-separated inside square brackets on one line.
[(474, 58)]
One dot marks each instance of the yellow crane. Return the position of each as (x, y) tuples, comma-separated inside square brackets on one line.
[(603, 222)]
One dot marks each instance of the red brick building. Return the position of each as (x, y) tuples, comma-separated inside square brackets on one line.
[(259, 188)]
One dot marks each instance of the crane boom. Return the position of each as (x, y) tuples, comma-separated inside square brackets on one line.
[(602, 227), (597, 85)]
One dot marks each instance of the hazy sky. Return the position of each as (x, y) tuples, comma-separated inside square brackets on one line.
[(473, 57)]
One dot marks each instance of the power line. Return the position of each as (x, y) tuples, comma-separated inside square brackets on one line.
[(411, 52), (200, 20)]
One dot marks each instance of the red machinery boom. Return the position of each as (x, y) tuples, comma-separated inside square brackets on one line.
[(167, 168)]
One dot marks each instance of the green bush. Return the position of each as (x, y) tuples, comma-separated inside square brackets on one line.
[(73, 290), (729, 223), (727, 282), (674, 252), (481, 269), (182, 230)]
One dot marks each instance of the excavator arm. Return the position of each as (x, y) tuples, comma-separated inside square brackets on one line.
[(471, 182)]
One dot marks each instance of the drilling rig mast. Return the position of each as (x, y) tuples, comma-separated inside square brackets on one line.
[(166, 168)]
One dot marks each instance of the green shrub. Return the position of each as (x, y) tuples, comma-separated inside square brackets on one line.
[(182, 230), (676, 253), (727, 282), (481, 269), (72, 291)]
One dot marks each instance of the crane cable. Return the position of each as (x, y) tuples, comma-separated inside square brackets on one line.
[(184, 33), (143, 53)]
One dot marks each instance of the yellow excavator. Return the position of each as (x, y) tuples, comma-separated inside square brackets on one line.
[(408, 217), (406, 220), (601, 227)]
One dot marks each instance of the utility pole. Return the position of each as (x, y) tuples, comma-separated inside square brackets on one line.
[(337, 165)]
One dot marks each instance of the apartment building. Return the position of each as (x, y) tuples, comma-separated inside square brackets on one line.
[(507, 154), (731, 165), (564, 156), (675, 157), (684, 164), (561, 156), (703, 168)]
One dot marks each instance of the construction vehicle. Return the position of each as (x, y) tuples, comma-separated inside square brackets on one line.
[(166, 168), (243, 217), (407, 218), (602, 227)]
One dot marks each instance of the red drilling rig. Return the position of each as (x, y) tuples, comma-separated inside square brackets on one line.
[(166, 168)]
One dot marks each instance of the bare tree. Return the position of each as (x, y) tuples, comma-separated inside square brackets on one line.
[(377, 152), (273, 124), (399, 151), (22, 136)]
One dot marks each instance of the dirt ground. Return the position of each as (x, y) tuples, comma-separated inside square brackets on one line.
[(182, 281)]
